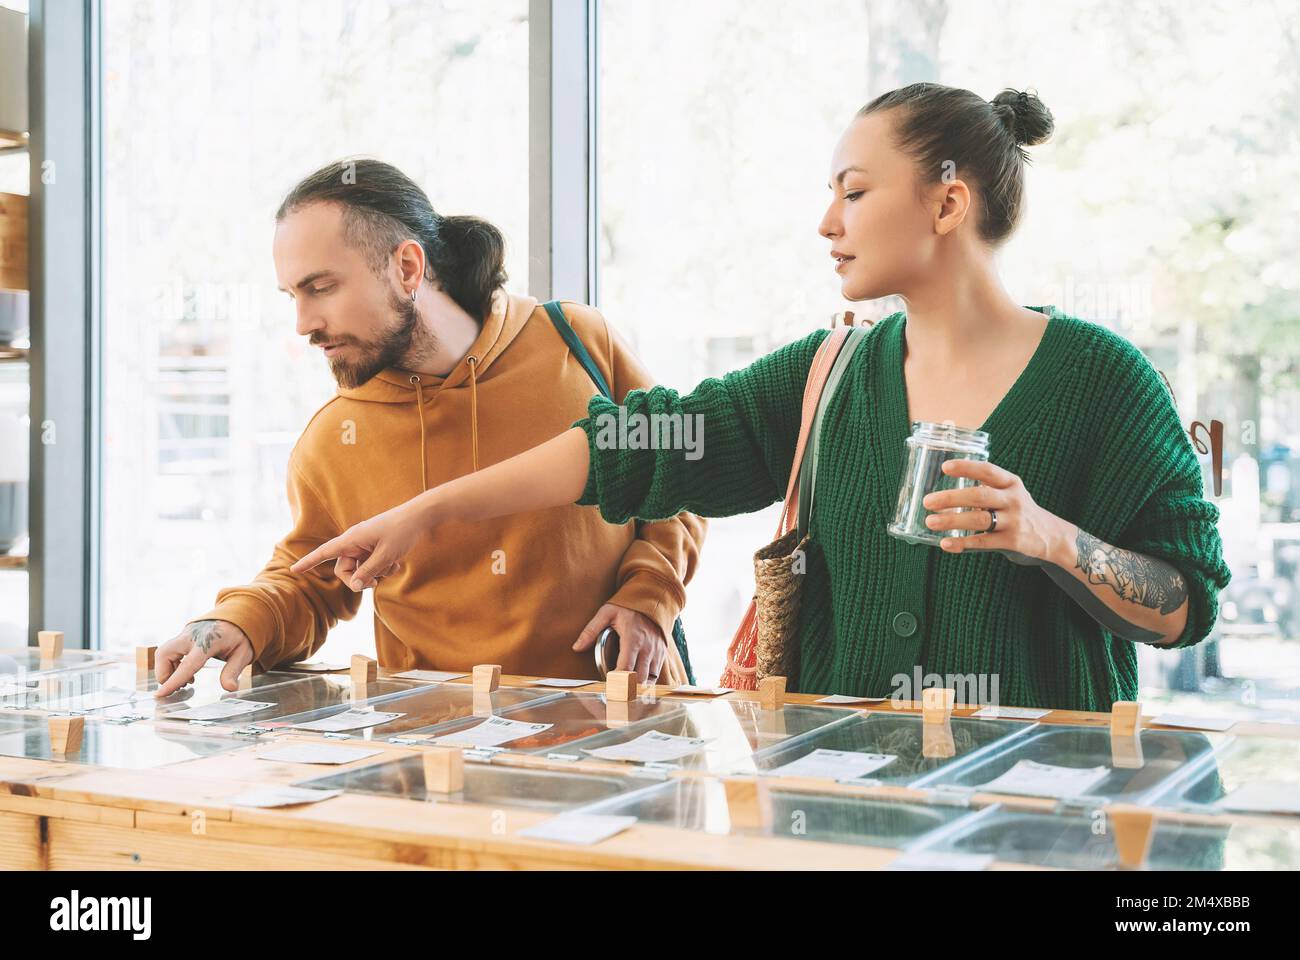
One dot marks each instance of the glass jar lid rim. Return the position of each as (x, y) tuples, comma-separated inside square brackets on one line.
[(949, 429)]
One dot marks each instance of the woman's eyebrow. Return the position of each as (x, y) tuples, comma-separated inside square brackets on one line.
[(839, 177)]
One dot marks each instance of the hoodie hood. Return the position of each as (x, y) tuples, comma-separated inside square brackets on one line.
[(508, 316)]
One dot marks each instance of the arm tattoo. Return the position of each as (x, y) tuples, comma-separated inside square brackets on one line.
[(1096, 608), (203, 633), (1141, 579)]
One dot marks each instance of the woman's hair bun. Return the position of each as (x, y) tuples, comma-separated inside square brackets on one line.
[(1027, 117)]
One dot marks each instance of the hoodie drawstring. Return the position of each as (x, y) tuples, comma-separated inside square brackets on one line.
[(473, 419), (419, 410), (473, 410)]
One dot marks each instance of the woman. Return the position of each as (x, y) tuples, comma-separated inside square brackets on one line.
[(1091, 482)]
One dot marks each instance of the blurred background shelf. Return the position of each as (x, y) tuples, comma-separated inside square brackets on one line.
[(13, 354), (8, 562)]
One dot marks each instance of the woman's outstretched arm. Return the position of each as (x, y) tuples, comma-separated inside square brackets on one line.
[(725, 448), (550, 474)]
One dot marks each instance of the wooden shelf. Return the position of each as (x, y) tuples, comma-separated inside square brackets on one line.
[(13, 354), (8, 562), (14, 212)]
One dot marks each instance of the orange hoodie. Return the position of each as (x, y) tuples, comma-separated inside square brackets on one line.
[(515, 591)]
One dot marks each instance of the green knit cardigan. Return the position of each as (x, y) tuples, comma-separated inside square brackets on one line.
[(1090, 429)]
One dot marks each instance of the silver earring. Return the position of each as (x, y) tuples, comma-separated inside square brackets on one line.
[(413, 293)]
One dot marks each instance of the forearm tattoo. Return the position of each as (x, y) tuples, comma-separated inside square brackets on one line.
[(1096, 607), (204, 633), (1141, 579)]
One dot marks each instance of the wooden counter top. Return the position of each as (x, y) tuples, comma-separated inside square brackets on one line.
[(59, 815)]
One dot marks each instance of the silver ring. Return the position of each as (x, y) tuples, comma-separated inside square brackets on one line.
[(993, 523)]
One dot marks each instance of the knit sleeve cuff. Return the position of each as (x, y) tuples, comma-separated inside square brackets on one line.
[(1202, 611), (596, 407), (1180, 528)]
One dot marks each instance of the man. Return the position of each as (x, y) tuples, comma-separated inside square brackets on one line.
[(440, 372)]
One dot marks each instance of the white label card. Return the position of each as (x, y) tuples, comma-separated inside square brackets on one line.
[(98, 699), (282, 796), (833, 764), (1011, 713), (651, 747), (491, 732), (700, 691), (842, 698), (221, 710), (316, 666), (1044, 780), (582, 828), (317, 753), (1193, 723), (354, 719), (1263, 796), (560, 682), (433, 676)]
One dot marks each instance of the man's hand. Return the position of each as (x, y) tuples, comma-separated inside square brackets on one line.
[(641, 643), (180, 658)]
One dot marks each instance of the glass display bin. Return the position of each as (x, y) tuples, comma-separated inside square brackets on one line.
[(135, 746), (1074, 841), (24, 663), (571, 717), (96, 688), (694, 804), (1246, 775), (276, 702), (918, 750), (734, 731), (555, 791), (428, 706), (1124, 769)]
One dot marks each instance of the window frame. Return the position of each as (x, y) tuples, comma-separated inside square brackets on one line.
[(65, 48)]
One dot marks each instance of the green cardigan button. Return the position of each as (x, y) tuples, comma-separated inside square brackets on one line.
[(904, 624)]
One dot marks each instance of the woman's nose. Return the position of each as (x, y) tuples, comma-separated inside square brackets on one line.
[(829, 227)]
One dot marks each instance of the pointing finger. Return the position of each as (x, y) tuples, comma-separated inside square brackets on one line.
[(329, 550), (184, 672)]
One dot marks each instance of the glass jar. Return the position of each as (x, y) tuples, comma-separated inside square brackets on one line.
[(928, 448)]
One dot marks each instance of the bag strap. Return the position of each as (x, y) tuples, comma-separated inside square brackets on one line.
[(820, 370), (808, 470), (741, 669), (678, 656), (575, 345)]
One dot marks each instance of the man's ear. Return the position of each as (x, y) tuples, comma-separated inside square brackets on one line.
[(410, 264), (952, 202)]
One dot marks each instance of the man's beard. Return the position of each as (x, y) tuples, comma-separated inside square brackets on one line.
[(406, 342)]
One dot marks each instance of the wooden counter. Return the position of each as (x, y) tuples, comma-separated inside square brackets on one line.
[(61, 815)]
